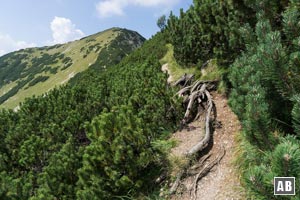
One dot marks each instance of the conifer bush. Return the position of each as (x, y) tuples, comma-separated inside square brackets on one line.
[(118, 152), (296, 115), (93, 138), (265, 96), (209, 29)]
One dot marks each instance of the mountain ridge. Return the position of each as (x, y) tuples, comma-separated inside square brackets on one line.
[(34, 71)]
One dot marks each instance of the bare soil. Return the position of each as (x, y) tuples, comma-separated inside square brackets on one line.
[(222, 182)]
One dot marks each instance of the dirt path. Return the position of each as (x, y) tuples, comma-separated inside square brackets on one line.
[(222, 181)]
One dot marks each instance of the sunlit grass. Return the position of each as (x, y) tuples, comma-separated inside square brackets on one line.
[(72, 50), (175, 70)]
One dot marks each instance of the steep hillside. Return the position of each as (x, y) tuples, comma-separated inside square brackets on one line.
[(35, 71), (99, 138)]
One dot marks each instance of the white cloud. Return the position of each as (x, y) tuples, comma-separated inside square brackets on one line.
[(108, 8), (63, 30), (147, 3), (8, 44)]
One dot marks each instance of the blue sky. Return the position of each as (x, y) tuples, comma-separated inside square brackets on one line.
[(26, 23)]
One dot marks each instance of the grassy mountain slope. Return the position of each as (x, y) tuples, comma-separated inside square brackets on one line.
[(35, 71)]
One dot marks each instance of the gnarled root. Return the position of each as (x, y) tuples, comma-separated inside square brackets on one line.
[(197, 94)]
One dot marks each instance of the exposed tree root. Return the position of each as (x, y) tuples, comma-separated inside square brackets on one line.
[(204, 142), (192, 171), (177, 181), (205, 170), (196, 95), (184, 80)]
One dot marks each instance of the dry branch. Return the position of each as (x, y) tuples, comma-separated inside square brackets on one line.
[(184, 80)]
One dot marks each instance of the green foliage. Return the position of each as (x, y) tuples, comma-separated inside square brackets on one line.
[(66, 60), (118, 153), (296, 115), (283, 161), (286, 158), (37, 80), (257, 120), (264, 70), (209, 29), (161, 22), (67, 65), (93, 138), (11, 67), (265, 96), (102, 135), (52, 70), (59, 177), (17, 69), (248, 98), (117, 49), (14, 90)]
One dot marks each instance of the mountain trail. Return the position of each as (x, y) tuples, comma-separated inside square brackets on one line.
[(222, 182)]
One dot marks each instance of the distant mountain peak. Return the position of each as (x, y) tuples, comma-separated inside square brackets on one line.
[(34, 71)]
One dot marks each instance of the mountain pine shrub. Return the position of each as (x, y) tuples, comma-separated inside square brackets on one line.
[(265, 96)]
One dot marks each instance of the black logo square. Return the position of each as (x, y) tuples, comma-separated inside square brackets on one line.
[(284, 185)]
